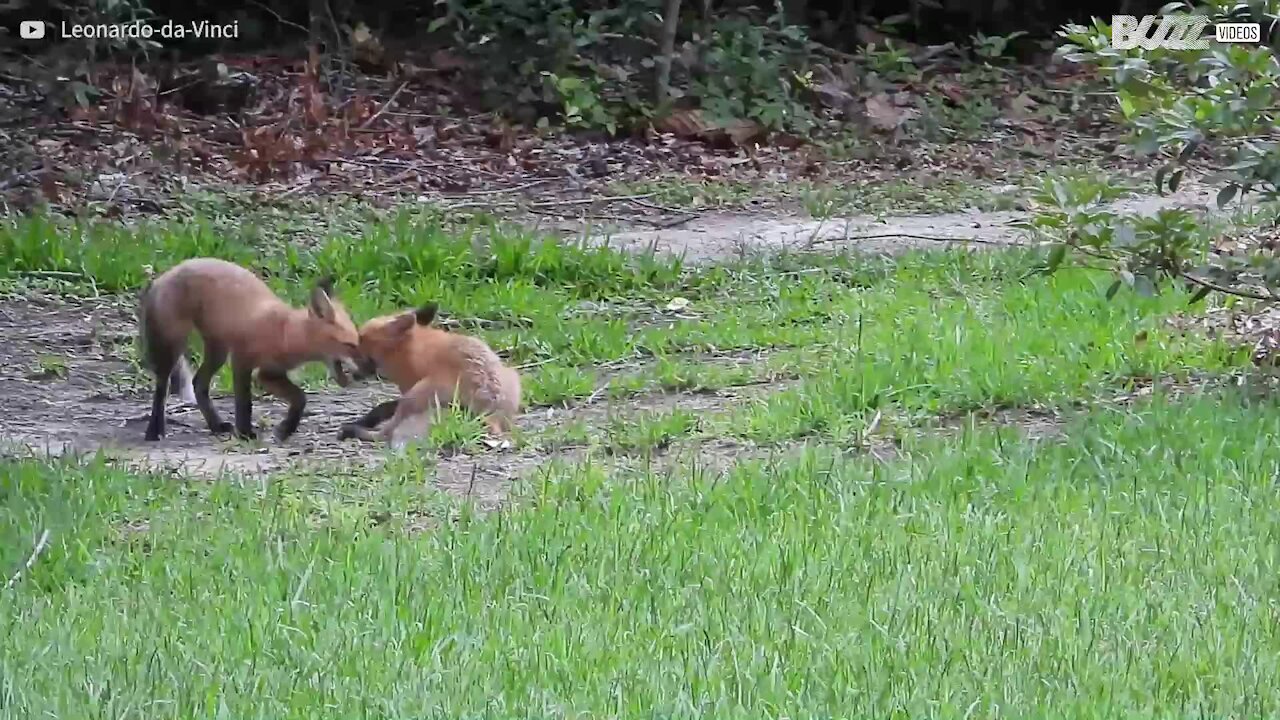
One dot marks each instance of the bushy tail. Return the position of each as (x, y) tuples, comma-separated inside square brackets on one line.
[(181, 377)]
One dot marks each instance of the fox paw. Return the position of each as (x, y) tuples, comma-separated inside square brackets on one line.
[(346, 432), (246, 434)]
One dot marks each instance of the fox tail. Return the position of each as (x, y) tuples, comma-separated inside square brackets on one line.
[(181, 377)]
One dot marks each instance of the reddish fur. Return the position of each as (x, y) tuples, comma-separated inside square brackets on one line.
[(238, 316), (433, 368)]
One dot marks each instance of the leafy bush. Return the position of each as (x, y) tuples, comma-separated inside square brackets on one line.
[(1179, 103), (750, 71), (557, 55)]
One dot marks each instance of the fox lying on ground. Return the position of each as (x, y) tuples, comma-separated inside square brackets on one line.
[(433, 368), (237, 315)]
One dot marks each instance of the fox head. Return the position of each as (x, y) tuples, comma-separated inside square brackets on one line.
[(334, 333), (383, 336)]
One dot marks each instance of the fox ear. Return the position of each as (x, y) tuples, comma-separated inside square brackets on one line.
[(401, 323), (425, 314), (320, 306)]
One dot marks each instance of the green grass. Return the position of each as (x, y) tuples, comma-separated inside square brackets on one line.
[(1125, 572), (940, 330)]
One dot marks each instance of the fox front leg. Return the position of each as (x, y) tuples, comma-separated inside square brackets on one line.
[(278, 383)]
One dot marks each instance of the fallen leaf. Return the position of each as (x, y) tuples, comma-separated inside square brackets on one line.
[(677, 304), (882, 113), (952, 92), (1022, 105), (687, 124), (741, 132)]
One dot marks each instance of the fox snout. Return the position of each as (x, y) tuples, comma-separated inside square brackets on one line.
[(344, 370), (364, 368)]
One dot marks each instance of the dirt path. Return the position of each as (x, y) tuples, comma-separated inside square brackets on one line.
[(717, 236)]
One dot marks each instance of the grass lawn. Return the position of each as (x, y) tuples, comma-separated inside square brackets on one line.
[(1124, 567)]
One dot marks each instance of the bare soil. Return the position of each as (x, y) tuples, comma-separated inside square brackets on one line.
[(67, 386)]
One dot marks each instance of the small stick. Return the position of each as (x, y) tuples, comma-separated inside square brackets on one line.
[(912, 236), (384, 107), (35, 553), (52, 274), (639, 200)]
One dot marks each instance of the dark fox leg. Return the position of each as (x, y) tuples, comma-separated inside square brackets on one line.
[(162, 362), (379, 414), (425, 398), (215, 356), (278, 383), (161, 357), (242, 385)]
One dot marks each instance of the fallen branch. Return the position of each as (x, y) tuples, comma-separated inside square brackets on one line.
[(31, 561)]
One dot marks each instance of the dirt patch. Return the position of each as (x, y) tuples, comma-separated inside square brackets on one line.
[(68, 386), (717, 236)]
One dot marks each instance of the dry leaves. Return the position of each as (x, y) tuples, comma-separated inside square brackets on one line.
[(694, 125)]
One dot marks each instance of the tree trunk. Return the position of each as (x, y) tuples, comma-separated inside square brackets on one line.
[(666, 49), (315, 41)]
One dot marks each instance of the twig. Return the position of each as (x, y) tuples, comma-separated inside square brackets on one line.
[(1229, 291), (15, 179), (279, 19), (601, 216), (35, 553), (638, 200), (385, 105), (540, 203), (675, 223), (53, 274), (116, 191), (534, 364), (525, 186), (911, 236)]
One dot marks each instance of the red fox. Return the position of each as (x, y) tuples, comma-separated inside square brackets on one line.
[(433, 368), (237, 315)]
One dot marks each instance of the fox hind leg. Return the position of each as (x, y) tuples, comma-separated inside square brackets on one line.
[(162, 363), (422, 403), (380, 413), (215, 356)]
